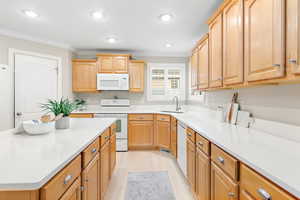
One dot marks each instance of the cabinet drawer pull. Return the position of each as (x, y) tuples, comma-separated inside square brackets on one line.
[(106, 137), (221, 160), (67, 179), (162, 119), (141, 117), (264, 194), (190, 135), (94, 150), (293, 61), (231, 194), (200, 143), (276, 65)]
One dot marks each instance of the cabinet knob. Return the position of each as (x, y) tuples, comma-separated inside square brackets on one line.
[(94, 150), (231, 194), (293, 61), (106, 137), (264, 194), (67, 179), (276, 65), (200, 143), (221, 160)]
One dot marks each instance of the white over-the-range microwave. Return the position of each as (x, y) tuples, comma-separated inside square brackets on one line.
[(112, 82)]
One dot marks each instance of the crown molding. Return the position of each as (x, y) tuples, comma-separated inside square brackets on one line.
[(17, 35)]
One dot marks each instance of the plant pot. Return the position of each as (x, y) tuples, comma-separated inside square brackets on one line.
[(63, 123)]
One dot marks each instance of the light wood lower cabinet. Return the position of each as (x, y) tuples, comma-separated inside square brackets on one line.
[(222, 186), (140, 134), (163, 132), (82, 115), (74, 192), (202, 176), (105, 168), (191, 164), (113, 153), (91, 180), (19, 195), (173, 137)]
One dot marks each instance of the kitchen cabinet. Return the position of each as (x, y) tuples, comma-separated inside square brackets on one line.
[(113, 153), (82, 115), (84, 75), (253, 186), (91, 180), (216, 51), (19, 195), (105, 168), (194, 69), (173, 137), (233, 42), (74, 192), (264, 39), (292, 36), (191, 163), (203, 63), (222, 186), (202, 176), (163, 131), (140, 134), (136, 76), (113, 63)]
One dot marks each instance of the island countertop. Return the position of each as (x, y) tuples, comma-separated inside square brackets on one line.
[(28, 162)]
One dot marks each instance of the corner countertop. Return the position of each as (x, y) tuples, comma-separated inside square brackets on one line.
[(28, 162), (271, 153)]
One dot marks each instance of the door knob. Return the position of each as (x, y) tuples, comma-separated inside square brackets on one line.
[(19, 114)]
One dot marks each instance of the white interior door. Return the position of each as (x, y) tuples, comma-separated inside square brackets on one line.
[(36, 80)]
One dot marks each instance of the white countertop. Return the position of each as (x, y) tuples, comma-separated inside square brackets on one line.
[(28, 162), (274, 156)]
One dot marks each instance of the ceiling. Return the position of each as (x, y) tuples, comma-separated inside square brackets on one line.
[(135, 23)]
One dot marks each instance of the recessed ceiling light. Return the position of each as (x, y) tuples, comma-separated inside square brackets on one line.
[(111, 40), (168, 45), (30, 13), (97, 15), (165, 17)]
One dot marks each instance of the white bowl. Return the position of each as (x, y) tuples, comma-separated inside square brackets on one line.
[(36, 127)]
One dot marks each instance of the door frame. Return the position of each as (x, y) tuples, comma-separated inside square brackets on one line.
[(11, 63)]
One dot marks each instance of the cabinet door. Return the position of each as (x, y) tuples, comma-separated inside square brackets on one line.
[(120, 64), (140, 133), (112, 153), (194, 69), (233, 42), (222, 187), (163, 134), (191, 164), (264, 39), (203, 65), (105, 168), (216, 52), (91, 180), (202, 176), (105, 64), (292, 37), (136, 76), (84, 76), (74, 192), (174, 137)]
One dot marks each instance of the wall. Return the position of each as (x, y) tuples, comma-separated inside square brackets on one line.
[(7, 83), (135, 98)]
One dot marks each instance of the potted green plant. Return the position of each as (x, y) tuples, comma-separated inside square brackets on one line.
[(81, 103), (61, 109)]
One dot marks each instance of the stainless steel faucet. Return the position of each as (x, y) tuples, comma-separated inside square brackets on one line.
[(176, 98)]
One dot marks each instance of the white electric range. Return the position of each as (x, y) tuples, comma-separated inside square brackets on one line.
[(111, 108)]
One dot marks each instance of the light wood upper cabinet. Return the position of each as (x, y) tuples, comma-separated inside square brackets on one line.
[(264, 39), (91, 180), (254, 186), (222, 187), (292, 36), (203, 63), (233, 42), (163, 134), (105, 168), (113, 63), (140, 133), (136, 76), (202, 176), (216, 52), (84, 75), (194, 69), (74, 192), (191, 163)]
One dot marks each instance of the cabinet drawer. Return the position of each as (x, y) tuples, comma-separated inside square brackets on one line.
[(62, 181), (202, 144), (143, 117), (164, 118), (256, 186), (225, 161), (89, 153), (82, 115), (104, 137), (191, 135)]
